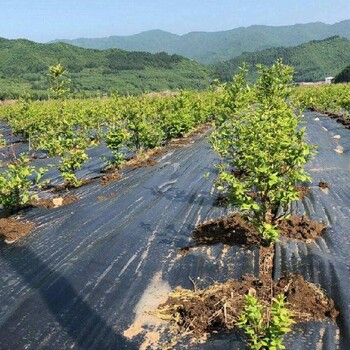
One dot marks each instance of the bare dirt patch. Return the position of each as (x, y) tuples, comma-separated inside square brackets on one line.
[(11, 229)]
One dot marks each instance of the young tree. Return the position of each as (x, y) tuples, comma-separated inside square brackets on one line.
[(264, 152), (59, 81)]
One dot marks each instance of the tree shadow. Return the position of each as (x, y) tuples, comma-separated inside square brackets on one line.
[(85, 328)]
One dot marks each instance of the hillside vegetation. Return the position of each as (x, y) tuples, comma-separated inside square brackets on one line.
[(213, 47), (24, 67), (312, 61), (343, 76)]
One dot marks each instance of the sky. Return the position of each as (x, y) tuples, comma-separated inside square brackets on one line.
[(45, 20)]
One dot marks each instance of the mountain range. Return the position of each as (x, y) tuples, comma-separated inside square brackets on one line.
[(312, 61), (212, 47), (24, 67), (24, 64)]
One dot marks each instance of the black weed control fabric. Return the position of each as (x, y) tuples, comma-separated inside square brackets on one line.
[(77, 281)]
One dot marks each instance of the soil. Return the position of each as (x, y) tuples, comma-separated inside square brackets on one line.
[(201, 130), (66, 186), (143, 161), (323, 184), (199, 313), (12, 229), (179, 143), (53, 202), (218, 307), (302, 228), (266, 259), (303, 191), (239, 173), (109, 196), (221, 201), (230, 230), (235, 230), (149, 158), (306, 300), (111, 176)]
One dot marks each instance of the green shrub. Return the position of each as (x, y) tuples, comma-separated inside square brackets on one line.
[(15, 183), (265, 328), (116, 137), (71, 161)]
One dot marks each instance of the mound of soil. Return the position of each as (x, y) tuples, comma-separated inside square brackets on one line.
[(230, 230), (12, 229), (235, 230), (323, 184), (302, 228), (218, 307), (306, 300)]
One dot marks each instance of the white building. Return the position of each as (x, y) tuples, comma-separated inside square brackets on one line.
[(329, 80)]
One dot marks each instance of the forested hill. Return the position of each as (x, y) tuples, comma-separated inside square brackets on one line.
[(24, 66), (343, 76), (312, 61), (213, 47)]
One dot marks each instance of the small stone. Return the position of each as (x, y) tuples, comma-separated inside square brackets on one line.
[(339, 149), (252, 292), (57, 201)]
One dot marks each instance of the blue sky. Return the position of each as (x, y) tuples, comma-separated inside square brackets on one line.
[(44, 20)]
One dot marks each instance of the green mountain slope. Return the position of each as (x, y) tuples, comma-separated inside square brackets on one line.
[(24, 66), (343, 76), (312, 61), (219, 46)]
